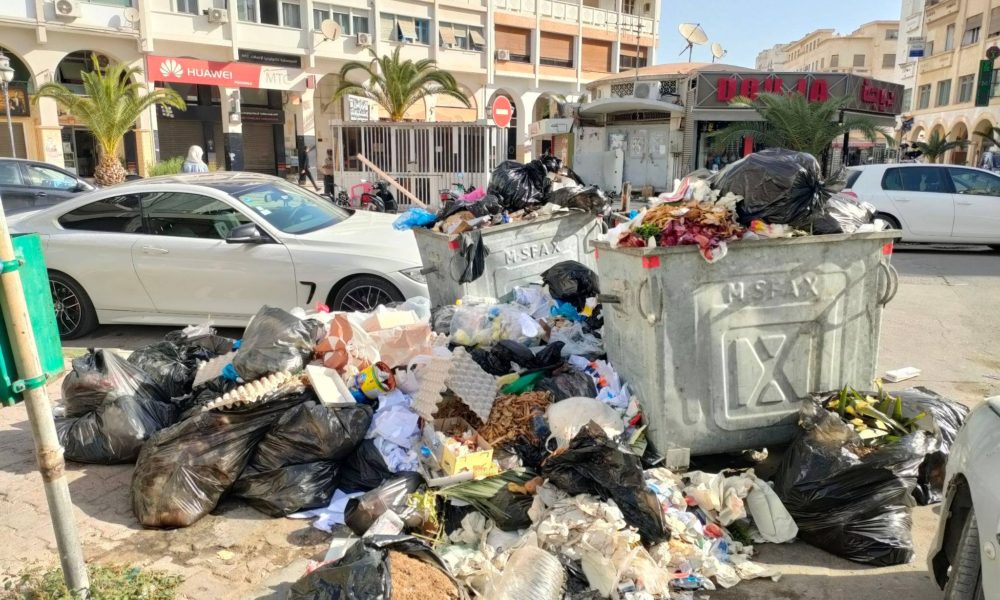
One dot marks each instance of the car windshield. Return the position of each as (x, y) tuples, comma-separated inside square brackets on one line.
[(291, 208)]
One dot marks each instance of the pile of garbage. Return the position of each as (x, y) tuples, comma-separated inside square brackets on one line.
[(516, 192), (768, 194), (484, 449)]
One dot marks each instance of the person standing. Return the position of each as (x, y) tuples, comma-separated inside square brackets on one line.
[(304, 171), (327, 171), (193, 162)]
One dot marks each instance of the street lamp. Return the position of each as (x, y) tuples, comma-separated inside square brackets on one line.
[(6, 76)]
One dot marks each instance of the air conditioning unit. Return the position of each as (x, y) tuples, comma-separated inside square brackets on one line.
[(364, 39), (217, 15), (503, 54), (67, 9), (647, 90)]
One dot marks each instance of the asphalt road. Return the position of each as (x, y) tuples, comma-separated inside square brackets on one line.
[(942, 321)]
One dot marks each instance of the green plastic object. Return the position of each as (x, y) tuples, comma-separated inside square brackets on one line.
[(524, 383), (35, 279)]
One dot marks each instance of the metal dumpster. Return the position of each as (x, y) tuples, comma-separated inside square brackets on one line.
[(518, 254), (721, 354)]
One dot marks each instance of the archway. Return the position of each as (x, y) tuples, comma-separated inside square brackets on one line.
[(918, 134), (79, 148), (511, 152), (985, 139), (959, 133), (20, 110), (71, 68)]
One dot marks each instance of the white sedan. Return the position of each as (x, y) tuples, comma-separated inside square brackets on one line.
[(188, 248)]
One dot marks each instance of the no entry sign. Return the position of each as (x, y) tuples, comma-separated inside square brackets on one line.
[(502, 111)]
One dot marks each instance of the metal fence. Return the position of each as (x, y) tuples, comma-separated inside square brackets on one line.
[(425, 158)]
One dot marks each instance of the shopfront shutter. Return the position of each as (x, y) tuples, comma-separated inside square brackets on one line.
[(556, 46), (596, 56), (517, 41), (22, 152), (177, 135), (258, 148)]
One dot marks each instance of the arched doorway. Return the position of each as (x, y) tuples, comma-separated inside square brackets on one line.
[(20, 107), (984, 140), (79, 149), (959, 133), (511, 153)]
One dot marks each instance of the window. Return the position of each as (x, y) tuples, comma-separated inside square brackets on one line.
[(852, 178), (943, 93), (995, 85), (924, 96), (859, 60), (973, 25), (187, 6), (44, 177), (246, 10), (277, 202), (359, 24), (291, 15), (966, 84), (907, 99), (892, 34), (949, 38), (924, 179), (891, 181), (974, 183), (888, 61), (405, 29), (350, 22), (285, 13), (834, 61), (994, 29), (9, 174), (180, 214), (118, 214), (514, 40), (454, 35)]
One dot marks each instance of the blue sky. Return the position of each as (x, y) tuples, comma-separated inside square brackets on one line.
[(745, 27)]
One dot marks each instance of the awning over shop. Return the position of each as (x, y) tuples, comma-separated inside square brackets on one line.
[(607, 106)]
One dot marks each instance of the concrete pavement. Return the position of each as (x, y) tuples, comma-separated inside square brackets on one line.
[(942, 321)]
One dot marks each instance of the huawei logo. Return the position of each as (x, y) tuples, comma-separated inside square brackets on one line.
[(171, 67)]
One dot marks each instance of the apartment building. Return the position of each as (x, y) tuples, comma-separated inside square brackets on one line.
[(259, 75), (772, 59), (870, 51), (911, 29), (958, 34)]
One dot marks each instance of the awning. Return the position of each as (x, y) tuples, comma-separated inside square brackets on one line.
[(408, 29), (607, 106), (447, 35), (477, 38)]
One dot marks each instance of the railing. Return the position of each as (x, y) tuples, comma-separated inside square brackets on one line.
[(574, 13)]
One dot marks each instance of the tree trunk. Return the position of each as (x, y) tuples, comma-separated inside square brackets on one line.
[(109, 170)]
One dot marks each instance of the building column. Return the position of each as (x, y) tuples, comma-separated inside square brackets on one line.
[(232, 129), (49, 132), (146, 141)]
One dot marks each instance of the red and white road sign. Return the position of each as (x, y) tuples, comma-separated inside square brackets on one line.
[(502, 111)]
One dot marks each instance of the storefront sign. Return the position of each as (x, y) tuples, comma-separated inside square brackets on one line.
[(262, 115), (19, 105), (358, 109), (227, 74), (985, 84), (917, 46), (718, 90), (270, 58)]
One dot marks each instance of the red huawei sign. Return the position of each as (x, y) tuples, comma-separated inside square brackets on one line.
[(205, 72)]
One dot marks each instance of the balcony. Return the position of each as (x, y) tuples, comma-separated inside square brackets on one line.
[(573, 13), (940, 9), (938, 61)]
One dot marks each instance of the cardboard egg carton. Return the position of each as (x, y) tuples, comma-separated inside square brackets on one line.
[(476, 387)]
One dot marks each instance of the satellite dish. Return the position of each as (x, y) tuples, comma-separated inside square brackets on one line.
[(717, 51), (131, 14), (330, 29), (693, 34)]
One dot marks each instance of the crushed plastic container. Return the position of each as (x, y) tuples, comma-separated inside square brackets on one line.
[(721, 354), (518, 254)]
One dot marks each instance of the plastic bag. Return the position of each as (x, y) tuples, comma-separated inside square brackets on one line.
[(590, 198), (485, 325), (571, 282), (517, 185), (472, 253), (500, 359), (392, 495), (184, 470), (568, 384), (577, 342), (364, 469), (111, 408), (312, 432), (170, 365), (778, 187), (593, 464), (856, 507), (414, 217), (843, 214), (944, 418), (276, 341), (287, 490)]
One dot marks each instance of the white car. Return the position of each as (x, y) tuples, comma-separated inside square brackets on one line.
[(965, 556), (932, 203), (182, 249)]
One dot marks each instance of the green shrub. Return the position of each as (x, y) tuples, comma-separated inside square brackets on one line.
[(171, 166), (106, 583)]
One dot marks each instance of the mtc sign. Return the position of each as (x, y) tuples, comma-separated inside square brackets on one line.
[(717, 90), (226, 74)]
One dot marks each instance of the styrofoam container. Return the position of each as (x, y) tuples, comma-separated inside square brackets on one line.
[(518, 254), (720, 355)]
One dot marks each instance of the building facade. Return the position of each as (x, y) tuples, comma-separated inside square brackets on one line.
[(869, 51), (259, 76), (911, 36), (772, 59), (948, 77)]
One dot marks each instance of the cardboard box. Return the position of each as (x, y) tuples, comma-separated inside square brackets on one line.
[(480, 463)]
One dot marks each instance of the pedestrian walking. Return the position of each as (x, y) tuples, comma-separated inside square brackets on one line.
[(304, 172), (327, 171)]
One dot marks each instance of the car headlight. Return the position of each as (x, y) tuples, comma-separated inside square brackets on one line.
[(415, 274)]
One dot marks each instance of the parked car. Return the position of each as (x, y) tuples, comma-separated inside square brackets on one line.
[(932, 203), (29, 184), (965, 556), (188, 248)]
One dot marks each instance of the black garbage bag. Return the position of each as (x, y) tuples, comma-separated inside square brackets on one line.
[(944, 418), (594, 464), (364, 469), (111, 408), (205, 338), (169, 365), (189, 404), (488, 205), (500, 359), (509, 510), (184, 470), (362, 512), (778, 187), (441, 317), (312, 432), (568, 383), (590, 198), (857, 507), (571, 282), (363, 572), (287, 490), (517, 185), (276, 341), (843, 214), (471, 256)]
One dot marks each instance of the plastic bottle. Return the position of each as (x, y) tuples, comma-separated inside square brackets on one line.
[(530, 574)]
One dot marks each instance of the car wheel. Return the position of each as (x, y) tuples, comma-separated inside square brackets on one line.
[(364, 293), (892, 221), (965, 581), (75, 314)]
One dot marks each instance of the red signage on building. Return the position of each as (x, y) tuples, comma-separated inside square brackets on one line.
[(204, 72), (728, 88), (863, 94), (502, 111)]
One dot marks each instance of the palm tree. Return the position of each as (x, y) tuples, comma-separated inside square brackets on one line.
[(793, 122), (936, 146), (111, 103), (397, 85)]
